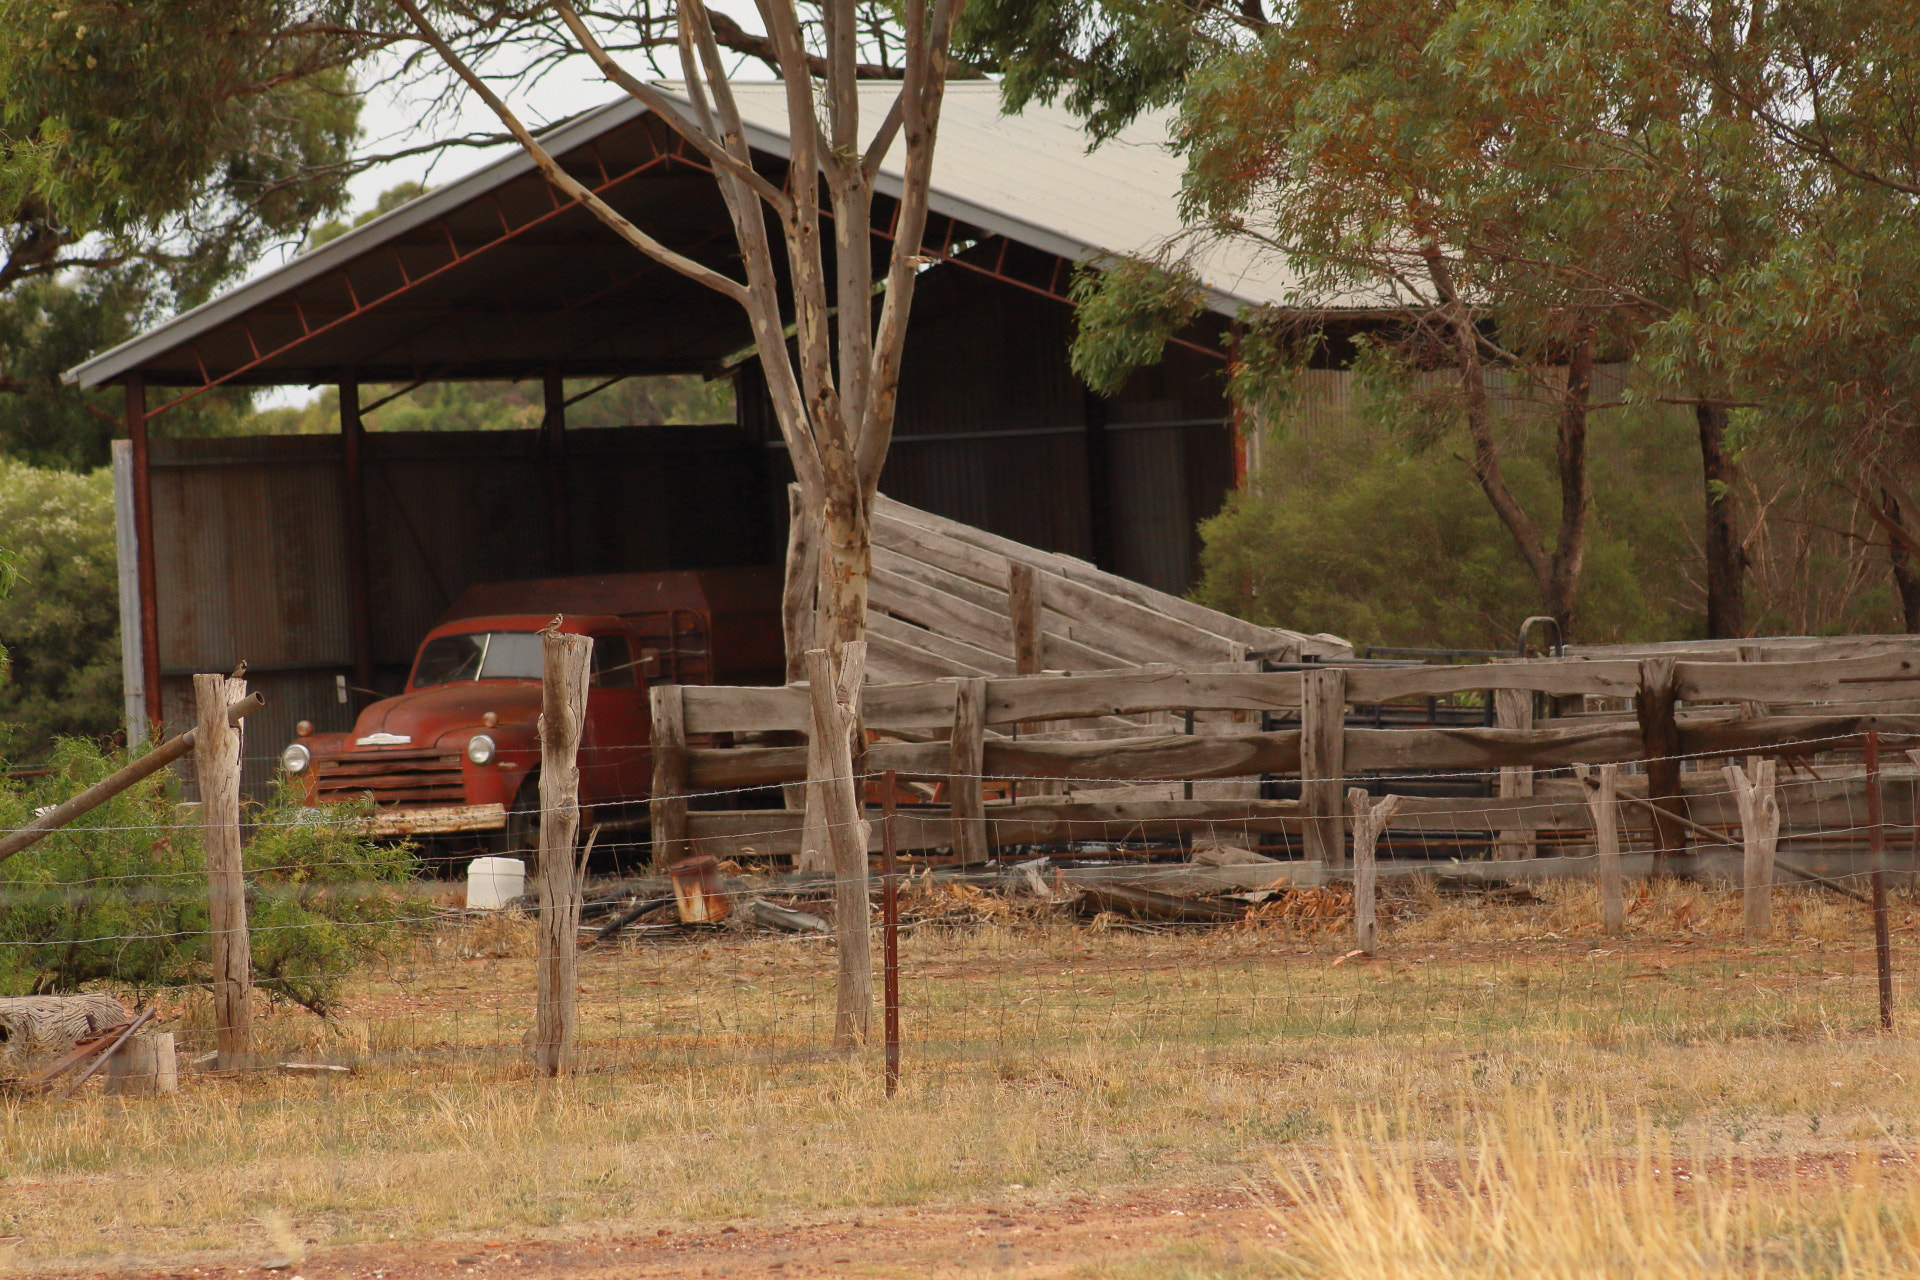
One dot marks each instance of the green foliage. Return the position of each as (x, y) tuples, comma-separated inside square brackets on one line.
[(149, 151), (1353, 529), (61, 623), (390, 199), (1124, 312), (1109, 59), (120, 896), (667, 400), (326, 902)]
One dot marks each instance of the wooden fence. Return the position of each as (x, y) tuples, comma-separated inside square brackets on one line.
[(1120, 730)]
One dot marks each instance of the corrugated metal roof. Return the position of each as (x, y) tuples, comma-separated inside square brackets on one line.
[(1029, 177)]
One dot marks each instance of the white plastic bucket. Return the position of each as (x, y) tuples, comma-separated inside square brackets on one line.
[(494, 882)]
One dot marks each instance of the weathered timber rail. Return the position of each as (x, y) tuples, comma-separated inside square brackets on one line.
[(1704, 709)]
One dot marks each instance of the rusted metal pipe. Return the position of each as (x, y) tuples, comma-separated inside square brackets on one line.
[(126, 1035), (113, 784), (1877, 850), (890, 934)]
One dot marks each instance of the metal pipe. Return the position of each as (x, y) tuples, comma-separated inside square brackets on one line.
[(113, 784), (890, 933), (82, 1078), (1877, 847)]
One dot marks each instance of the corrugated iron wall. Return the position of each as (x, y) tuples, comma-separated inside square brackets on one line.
[(250, 556)]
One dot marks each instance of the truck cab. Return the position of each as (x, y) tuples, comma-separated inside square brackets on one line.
[(456, 754)]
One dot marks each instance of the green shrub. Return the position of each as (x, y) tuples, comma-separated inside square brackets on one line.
[(121, 895)]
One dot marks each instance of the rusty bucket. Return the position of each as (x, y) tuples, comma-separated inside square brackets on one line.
[(697, 892)]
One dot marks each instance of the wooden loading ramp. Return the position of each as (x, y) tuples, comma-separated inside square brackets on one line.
[(950, 599)]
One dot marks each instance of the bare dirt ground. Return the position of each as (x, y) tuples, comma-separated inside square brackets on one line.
[(1036, 1237)]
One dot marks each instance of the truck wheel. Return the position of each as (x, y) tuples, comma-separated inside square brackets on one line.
[(522, 836)]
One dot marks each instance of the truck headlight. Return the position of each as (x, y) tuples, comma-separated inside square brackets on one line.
[(295, 758), (480, 748)]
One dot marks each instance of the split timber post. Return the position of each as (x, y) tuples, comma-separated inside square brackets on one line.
[(1603, 800), (1513, 709), (1024, 603), (967, 760), (216, 759), (1653, 706), (833, 726), (1323, 732), (563, 712), (667, 809), (1369, 821), (1753, 792)]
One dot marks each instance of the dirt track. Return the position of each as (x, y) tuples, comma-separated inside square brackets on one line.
[(1014, 1237)]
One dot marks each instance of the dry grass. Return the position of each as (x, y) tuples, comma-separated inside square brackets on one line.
[(1044, 1055)]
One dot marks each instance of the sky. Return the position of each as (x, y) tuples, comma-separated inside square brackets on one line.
[(393, 118)]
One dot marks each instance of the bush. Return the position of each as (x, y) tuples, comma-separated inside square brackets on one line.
[(60, 623), (121, 895)]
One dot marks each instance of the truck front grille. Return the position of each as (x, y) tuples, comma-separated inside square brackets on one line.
[(392, 777)]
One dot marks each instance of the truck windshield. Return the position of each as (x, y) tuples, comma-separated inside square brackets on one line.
[(481, 655)]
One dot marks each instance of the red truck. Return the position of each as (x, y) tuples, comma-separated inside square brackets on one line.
[(457, 754)]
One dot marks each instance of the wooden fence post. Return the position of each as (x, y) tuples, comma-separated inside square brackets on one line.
[(667, 809), (1753, 792), (833, 697), (1369, 820), (216, 761), (563, 713), (1653, 706), (1323, 726), (1023, 605), (1603, 790), (967, 760), (1513, 709)]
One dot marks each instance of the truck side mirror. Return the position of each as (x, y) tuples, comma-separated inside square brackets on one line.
[(649, 663)]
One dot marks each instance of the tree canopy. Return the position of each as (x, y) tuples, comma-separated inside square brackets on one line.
[(149, 151), (1720, 193)]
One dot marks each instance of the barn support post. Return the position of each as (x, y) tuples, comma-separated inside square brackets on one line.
[(149, 621), (553, 453), (353, 497), (1099, 483)]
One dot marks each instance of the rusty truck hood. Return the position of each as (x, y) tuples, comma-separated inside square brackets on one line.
[(423, 715)]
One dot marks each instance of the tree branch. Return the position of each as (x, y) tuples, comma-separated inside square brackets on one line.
[(664, 107), (560, 178)]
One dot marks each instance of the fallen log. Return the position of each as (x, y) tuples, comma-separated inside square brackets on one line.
[(1145, 904)]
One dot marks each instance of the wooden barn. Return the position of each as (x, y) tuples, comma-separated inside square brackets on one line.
[(316, 557)]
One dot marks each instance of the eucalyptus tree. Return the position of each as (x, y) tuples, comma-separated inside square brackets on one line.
[(833, 386), (148, 152), (1532, 188)]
